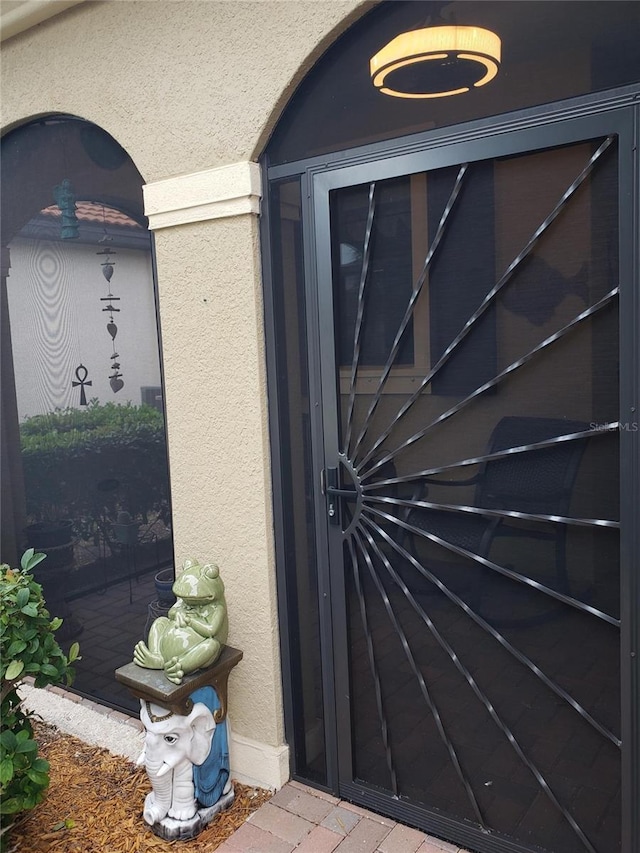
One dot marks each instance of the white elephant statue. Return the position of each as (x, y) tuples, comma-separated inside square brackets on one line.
[(175, 746)]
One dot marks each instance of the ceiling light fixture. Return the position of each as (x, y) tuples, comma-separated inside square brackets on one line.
[(469, 56)]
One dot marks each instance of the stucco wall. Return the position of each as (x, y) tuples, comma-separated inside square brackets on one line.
[(218, 440), (183, 86), (187, 86)]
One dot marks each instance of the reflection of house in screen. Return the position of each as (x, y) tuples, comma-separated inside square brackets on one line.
[(60, 283)]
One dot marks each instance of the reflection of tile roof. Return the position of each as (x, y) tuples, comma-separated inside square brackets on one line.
[(91, 211)]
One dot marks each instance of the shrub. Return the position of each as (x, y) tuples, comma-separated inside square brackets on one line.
[(68, 454), (27, 647)]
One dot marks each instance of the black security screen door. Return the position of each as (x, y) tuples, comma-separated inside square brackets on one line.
[(468, 312)]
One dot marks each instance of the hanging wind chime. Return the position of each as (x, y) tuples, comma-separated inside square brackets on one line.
[(65, 199), (115, 378)]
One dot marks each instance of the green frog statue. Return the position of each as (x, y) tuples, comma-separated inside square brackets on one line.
[(195, 630)]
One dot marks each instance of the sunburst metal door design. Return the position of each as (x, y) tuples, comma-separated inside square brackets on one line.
[(469, 324)]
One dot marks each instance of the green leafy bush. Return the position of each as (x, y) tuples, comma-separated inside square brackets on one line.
[(27, 647), (68, 455)]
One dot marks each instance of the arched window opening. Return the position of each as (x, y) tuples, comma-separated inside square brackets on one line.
[(453, 342), (380, 80), (83, 436)]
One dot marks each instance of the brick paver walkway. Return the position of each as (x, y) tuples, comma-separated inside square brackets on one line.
[(309, 821)]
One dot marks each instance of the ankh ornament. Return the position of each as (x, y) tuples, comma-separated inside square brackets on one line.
[(81, 376)]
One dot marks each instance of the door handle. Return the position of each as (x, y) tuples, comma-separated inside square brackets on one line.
[(330, 483), (329, 488)]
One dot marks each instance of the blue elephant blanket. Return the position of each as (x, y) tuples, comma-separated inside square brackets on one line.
[(211, 776)]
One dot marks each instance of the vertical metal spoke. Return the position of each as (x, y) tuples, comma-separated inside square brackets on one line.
[(497, 720), (482, 623), (491, 296), (364, 272), (420, 678), (384, 728), (410, 307), (516, 365)]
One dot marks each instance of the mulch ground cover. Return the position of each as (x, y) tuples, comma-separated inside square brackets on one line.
[(94, 805)]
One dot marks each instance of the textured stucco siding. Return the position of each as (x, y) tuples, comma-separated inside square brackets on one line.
[(185, 87), (213, 347)]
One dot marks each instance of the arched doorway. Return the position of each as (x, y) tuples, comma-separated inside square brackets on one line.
[(451, 309), (85, 472)]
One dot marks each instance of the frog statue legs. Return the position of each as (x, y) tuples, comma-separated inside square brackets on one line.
[(195, 630)]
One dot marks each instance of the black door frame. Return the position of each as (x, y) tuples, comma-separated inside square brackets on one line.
[(582, 118)]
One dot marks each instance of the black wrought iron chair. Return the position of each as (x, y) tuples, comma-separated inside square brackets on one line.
[(535, 482)]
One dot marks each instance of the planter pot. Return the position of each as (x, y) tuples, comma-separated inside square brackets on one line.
[(53, 538), (164, 581), (126, 534)]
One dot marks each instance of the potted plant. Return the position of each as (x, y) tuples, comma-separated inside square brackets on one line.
[(54, 539), (164, 581), (27, 648)]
